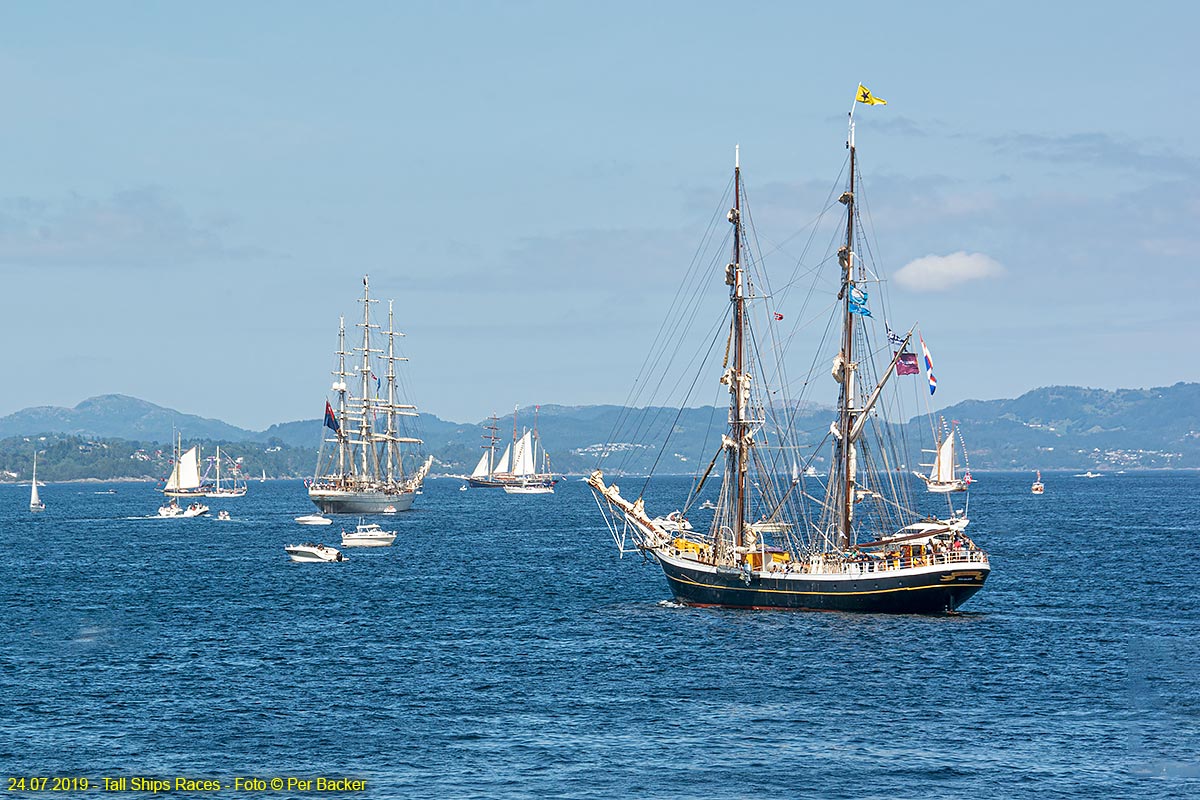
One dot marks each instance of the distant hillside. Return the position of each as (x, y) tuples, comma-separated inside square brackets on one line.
[(1072, 427), (1054, 427), (119, 416)]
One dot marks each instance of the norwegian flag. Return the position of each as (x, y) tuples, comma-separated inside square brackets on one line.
[(929, 367)]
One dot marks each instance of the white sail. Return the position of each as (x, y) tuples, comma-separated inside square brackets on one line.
[(523, 461), (502, 464), (35, 502), (943, 468), (481, 469), (186, 474)]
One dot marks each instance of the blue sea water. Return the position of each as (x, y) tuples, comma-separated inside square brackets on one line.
[(501, 649)]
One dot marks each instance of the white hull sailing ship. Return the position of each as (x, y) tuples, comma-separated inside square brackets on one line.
[(363, 470), (234, 487), (185, 480), (943, 473), (851, 541), (523, 467)]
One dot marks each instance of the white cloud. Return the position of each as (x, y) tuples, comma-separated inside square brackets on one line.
[(939, 273)]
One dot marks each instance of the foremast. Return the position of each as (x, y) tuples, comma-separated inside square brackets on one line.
[(846, 411)]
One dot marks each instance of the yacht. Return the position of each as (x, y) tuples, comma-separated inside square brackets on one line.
[(368, 535), (311, 553)]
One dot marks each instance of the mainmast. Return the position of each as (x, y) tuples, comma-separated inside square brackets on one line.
[(735, 277), (364, 426), (846, 410)]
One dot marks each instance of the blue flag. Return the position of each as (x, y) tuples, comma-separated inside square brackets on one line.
[(858, 302), (330, 420)]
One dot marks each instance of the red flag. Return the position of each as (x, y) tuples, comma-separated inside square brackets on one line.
[(778, 316)]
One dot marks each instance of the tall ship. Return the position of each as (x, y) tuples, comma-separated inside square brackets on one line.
[(852, 539), (523, 467), (366, 463)]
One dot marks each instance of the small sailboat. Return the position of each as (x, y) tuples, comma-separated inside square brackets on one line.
[(943, 474), (184, 480), (35, 502), (1038, 487), (263, 479), (774, 542)]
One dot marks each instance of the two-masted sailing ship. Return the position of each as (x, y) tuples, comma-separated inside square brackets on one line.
[(361, 467), (943, 474), (523, 467), (851, 540), (235, 481), (185, 479)]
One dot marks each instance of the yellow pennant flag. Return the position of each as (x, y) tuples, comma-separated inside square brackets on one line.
[(865, 96)]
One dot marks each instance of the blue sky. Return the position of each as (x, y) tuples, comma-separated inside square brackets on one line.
[(189, 194)]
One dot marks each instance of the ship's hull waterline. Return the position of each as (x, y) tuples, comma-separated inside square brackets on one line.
[(335, 501), (930, 591)]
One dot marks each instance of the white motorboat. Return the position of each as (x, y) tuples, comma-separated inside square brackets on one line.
[(368, 535), (312, 553), (314, 519), (223, 516), (195, 510), (462, 488), (391, 509), (170, 509), (537, 487), (674, 522), (708, 504)]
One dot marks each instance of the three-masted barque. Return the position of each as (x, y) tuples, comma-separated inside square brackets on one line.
[(849, 540), (362, 471)]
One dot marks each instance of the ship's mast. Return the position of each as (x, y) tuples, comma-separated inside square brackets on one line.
[(340, 387), (365, 430), (846, 411), (492, 438), (737, 410), (391, 400)]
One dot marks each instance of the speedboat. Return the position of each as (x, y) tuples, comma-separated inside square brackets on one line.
[(195, 510), (462, 488), (311, 553), (707, 504), (368, 535), (170, 509), (314, 519), (391, 509), (223, 516), (674, 522)]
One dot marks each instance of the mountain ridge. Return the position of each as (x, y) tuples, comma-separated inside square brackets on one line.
[(1049, 427)]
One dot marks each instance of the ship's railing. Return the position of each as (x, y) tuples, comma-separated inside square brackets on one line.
[(874, 566)]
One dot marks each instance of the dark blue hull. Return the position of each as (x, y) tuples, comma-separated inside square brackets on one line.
[(934, 592)]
